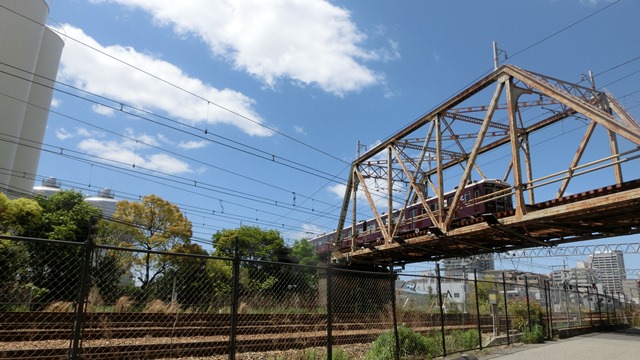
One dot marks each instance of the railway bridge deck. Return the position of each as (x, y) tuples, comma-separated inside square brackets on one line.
[(604, 212)]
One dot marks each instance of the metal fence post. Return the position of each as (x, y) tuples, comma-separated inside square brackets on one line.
[(526, 289), (235, 294), (475, 285), (615, 316), (393, 309), (549, 308), (438, 282), (82, 296), (506, 310), (329, 313), (606, 303), (599, 307), (590, 312)]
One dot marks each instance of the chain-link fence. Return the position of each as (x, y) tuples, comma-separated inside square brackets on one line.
[(62, 300)]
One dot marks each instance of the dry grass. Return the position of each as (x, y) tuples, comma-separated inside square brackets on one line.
[(94, 299), (160, 307), (60, 306), (123, 304)]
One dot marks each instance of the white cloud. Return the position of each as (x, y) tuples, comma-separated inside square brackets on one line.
[(131, 153), (55, 102), (188, 145), (307, 42), (103, 110), (92, 71), (64, 134), (299, 130)]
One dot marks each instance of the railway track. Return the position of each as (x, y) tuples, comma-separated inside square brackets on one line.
[(34, 335)]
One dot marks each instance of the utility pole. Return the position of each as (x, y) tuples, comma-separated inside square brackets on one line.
[(496, 55)]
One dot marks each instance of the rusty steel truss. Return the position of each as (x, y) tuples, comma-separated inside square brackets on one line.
[(540, 134)]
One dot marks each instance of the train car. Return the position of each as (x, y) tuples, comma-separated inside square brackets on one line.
[(475, 200)]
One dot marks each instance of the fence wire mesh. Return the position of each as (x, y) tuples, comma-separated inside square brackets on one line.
[(62, 300)]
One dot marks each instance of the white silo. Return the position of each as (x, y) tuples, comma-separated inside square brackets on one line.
[(27, 155), (104, 201), (21, 32)]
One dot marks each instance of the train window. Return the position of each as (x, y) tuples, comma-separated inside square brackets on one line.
[(413, 213), (433, 206), (364, 226), (467, 196), (476, 193)]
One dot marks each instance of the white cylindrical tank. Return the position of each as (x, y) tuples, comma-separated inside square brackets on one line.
[(25, 164), (104, 201), (21, 31), (49, 187)]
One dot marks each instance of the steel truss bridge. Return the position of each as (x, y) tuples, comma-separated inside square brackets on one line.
[(562, 147)]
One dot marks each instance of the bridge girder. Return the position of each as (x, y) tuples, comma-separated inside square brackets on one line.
[(445, 148)]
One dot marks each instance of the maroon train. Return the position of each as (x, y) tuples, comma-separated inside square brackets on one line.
[(476, 200)]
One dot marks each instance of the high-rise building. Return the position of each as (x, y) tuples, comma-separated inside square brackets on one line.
[(29, 62), (457, 267), (610, 267)]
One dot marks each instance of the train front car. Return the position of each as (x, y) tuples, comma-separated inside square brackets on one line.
[(495, 197)]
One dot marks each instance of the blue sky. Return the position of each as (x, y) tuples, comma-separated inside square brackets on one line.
[(250, 112)]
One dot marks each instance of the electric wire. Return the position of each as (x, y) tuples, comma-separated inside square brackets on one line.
[(178, 87)]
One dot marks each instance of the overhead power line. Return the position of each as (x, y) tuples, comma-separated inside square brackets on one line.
[(208, 101)]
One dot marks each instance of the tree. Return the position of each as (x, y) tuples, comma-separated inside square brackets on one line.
[(13, 254), (14, 214), (54, 267), (258, 247), (304, 253), (187, 280), (253, 243), (158, 226)]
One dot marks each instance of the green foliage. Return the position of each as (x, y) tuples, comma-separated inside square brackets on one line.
[(411, 344), (58, 268), (535, 336), (460, 340), (303, 253), (13, 259), (253, 244), (157, 225), (14, 214), (519, 315), (65, 216), (259, 247)]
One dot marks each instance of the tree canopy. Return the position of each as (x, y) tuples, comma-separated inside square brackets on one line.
[(157, 225), (253, 244)]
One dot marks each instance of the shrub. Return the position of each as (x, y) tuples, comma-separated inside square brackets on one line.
[(519, 316), (535, 336), (460, 340), (411, 343)]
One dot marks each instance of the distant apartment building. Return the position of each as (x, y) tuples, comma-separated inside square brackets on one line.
[(581, 276), (610, 268), (459, 267)]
